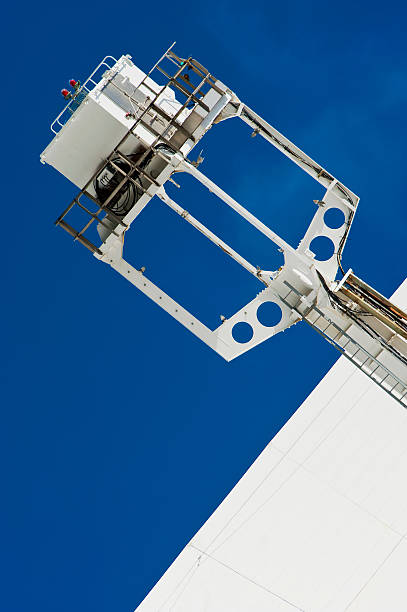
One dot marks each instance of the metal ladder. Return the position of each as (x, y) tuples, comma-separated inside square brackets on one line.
[(349, 347), (193, 93)]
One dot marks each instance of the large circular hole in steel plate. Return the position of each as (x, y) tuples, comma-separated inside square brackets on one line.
[(322, 247), (242, 332), (269, 314), (334, 218)]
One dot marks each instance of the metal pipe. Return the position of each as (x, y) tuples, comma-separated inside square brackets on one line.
[(187, 167), (161, 193)]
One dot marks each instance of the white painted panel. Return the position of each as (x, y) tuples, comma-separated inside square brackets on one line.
[(386, 591), (365, 457), (85, 141), (315, 404), (241, 508), (363, 572), (318, 521), (216, 586), (257, 478), (304, 543)]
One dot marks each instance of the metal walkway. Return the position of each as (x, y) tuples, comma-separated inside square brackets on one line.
[(349, 347)]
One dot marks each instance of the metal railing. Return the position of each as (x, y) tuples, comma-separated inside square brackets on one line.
[(192, 93), (352, 350), (67, 111)]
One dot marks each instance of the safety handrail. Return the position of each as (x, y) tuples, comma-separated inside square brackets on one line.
[(57, 122)]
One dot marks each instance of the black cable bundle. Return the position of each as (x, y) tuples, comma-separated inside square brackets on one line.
[(107, 181)]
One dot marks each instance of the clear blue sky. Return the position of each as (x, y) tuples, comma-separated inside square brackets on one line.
[(121, 432)]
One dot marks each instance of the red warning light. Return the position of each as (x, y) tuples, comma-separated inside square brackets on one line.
[(72, 82), (65, 92)]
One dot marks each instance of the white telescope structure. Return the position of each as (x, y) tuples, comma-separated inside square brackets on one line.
[(120, 139)]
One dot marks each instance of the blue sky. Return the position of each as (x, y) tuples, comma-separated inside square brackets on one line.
[(121, 432)]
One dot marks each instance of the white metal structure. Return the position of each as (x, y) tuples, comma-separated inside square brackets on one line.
[(319, 521), (124, 140)]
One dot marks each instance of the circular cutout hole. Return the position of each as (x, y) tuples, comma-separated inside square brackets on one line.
[(242, 332), (334, 218), (269, 314), (322, 247)]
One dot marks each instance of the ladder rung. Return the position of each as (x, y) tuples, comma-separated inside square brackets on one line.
[(87, 243), (171, 121)]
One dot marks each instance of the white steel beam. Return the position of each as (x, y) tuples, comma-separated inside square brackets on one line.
[(213, 187), (161, 193)]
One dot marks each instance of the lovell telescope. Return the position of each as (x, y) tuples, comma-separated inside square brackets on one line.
[(121, 137)]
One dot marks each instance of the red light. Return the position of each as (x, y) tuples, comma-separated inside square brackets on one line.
[(65, 92), (72, 82)]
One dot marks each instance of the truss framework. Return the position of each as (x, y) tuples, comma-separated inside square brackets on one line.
[(304, 288)]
